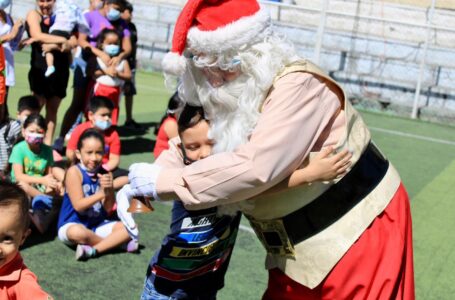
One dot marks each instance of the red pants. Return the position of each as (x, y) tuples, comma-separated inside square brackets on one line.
[(111, 92), (2, 78), (379, 265)]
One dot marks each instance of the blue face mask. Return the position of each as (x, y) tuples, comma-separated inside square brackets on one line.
[(103, 124), (4, 3), (113, 14), (112, 50)]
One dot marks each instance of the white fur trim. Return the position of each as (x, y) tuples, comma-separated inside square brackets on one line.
[(174, 64), (244, 31)]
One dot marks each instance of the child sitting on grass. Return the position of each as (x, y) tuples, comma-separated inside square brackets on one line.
[(32, 168), (194, 256), (16, 280), (89, 195)]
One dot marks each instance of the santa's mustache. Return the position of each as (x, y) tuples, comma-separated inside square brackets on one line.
[(226, 96)]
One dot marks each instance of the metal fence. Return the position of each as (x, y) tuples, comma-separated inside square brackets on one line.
[(396, 54)]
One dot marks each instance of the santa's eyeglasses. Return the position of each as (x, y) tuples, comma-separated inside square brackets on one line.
[(207, 62), (217, 71)]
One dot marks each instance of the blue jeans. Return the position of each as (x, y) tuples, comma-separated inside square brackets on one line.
[(150, 293)]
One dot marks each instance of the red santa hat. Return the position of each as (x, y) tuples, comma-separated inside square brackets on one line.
[(215, 26)]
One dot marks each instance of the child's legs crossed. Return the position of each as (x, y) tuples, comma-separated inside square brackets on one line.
[(74, 233), (113, 234)]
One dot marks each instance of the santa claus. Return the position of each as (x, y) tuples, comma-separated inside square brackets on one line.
[(269, 110)]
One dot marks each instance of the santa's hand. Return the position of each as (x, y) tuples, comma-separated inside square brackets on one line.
[(123, 199), (142, 177)]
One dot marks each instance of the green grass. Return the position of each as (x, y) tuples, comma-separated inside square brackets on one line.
[(427, 169)]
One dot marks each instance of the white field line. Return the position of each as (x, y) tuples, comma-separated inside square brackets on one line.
[(246, 228), (414, 136)]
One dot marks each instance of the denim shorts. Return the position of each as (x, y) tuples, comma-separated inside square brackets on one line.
[(150, 293)]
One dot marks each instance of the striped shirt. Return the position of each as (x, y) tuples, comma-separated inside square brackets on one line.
[(9, 133)]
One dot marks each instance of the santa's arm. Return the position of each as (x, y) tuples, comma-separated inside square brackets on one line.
[(293, 117)]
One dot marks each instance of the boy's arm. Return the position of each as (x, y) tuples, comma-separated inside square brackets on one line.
[(323, 167), (72, 143), (114, 151), (113, 163), (70, 154)]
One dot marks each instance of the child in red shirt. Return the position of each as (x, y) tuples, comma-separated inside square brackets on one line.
[(16, 280), (99, 116)]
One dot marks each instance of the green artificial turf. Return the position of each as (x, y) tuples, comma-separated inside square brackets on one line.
[(427, 169)]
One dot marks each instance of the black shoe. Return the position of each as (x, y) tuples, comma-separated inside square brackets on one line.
[(133, 125)]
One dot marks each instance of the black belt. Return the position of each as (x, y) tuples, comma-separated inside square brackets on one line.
[(333, 203)]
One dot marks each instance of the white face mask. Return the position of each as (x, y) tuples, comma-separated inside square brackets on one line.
[(91, 173), (34, 138)]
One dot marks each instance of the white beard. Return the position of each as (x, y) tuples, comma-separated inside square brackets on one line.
[(233, 110)]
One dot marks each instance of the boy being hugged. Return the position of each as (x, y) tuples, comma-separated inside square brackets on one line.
[(194, 256)]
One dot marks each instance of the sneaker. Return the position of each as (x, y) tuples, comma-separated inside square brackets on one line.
[(132, 246), (84, 252), (49, 71), (131, 124)]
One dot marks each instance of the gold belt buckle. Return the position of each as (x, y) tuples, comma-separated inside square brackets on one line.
[(273, 236)]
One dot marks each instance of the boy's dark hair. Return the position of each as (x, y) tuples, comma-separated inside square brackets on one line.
[(28, 102), (11, 193), (129, 6), (90, 133), (120, 3), (98, 102), (189, 117), (104, 33), (37, 119)]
